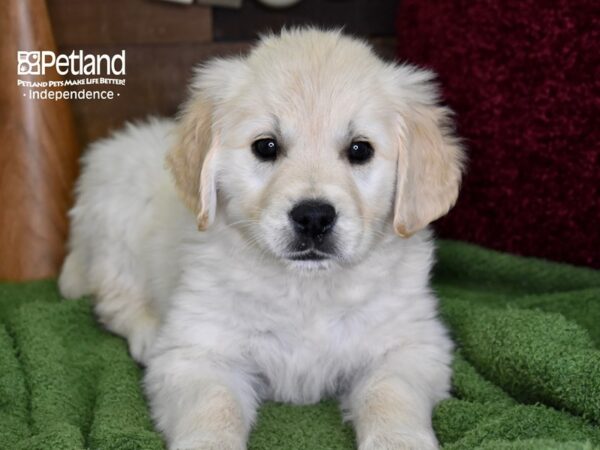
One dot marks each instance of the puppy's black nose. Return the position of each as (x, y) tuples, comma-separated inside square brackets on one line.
[(313, 218)]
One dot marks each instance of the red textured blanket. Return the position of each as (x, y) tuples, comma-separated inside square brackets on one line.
[(524, 79)]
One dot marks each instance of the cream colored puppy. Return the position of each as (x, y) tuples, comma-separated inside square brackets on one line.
[(297, 162)]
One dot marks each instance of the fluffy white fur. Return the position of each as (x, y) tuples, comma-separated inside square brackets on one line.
[(222, 318)]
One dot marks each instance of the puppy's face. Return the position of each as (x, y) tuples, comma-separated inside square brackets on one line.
[(308, 163), (312, 147)]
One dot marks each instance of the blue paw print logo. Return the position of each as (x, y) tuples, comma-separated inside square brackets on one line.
[(28, 63)]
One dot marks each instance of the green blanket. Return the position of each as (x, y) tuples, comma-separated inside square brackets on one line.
[(526, 375)]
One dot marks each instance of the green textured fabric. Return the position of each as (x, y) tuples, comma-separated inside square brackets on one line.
[(526, 372)]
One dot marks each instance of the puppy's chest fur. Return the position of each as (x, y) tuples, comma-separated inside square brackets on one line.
[(310, 348), (298, 338)]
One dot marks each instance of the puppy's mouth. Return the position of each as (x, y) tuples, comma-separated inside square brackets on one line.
[(309, 255)]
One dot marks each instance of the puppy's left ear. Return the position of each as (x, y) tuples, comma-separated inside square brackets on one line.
[(430, 157), (193, 158)]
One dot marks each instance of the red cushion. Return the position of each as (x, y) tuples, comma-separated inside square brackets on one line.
[(524, 79)]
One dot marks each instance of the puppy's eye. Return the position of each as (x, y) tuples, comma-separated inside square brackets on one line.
[(360, 152), (265, 149)]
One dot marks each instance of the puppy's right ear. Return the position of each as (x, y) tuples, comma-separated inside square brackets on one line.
[(193, 158)]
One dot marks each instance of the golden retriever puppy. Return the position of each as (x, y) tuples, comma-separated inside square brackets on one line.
[(272, 243)]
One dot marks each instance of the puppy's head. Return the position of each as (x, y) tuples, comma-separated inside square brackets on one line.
[(316, 148)]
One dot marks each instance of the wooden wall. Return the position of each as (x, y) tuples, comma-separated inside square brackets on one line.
[(163, 41)]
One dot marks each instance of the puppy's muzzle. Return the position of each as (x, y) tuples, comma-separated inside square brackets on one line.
[(313, 222)]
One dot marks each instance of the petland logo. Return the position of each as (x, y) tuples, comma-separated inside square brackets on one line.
[(75, 63), (88, 76)]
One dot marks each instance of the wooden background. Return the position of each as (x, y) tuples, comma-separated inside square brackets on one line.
[(41, 139), (163, 41)]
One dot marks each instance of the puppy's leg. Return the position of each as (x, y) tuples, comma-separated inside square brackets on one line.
[(126, 313), (198, 404), (391, 405), (73, 282), (121, 303), (124, 310), (119, 300)]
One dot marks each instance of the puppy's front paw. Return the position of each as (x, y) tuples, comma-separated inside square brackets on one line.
[(400, 440), (215, 423), (217, 442)]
